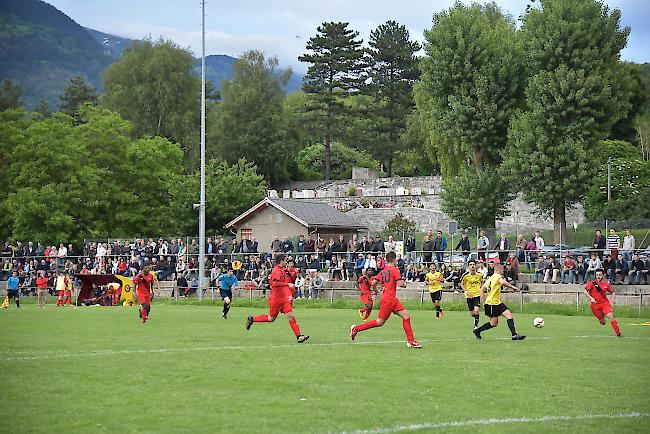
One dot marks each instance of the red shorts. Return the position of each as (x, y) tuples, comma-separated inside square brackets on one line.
[(144, 297), (366, 298), (68, 293), (61, 293), (388, 306), (601, 309), (281, 304)]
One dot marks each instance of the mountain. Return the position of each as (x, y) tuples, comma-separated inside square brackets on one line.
[(41, 49)]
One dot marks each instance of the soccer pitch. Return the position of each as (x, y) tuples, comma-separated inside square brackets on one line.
[(100, 370)]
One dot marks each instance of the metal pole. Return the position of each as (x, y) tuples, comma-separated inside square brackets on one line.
[(640, 301), (202, 283), (577, 300), (609, 179), (521, 301)]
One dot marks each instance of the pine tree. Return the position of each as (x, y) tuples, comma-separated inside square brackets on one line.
[(77, 92), (393, 71), (337, 62), (10, 94)]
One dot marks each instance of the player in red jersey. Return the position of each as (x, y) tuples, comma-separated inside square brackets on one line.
[(293, 275), (389, 278), (144, 289), (365, 286), (596, 291), (280, 298)]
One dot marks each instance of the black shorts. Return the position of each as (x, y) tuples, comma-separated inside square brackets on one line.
[(225, 293), (495, 310), (473, 302), (436, 295), (13, 294)]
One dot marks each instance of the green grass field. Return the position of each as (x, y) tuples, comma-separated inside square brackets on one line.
[(100, 370)]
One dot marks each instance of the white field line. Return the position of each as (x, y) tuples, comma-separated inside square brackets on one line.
[(489, 422), (8, 356)]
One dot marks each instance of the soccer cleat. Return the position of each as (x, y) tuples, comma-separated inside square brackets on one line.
[(302, 338), (478, 333), (619, 335), (249, 322), (361, 313), (413, 344), (353, 332), (224, 316), (518, 337)]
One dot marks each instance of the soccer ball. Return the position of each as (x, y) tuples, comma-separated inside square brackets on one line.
[(538, 322)]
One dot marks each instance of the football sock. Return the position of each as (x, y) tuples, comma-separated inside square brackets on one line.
[(226, 308), (486, 326), (148, 309), (614, 326), (511, 326), (367, 313), (476, 320), (18, 305), (143, 312), (261, 318), (406, 323), (295, 327), (366, 325)]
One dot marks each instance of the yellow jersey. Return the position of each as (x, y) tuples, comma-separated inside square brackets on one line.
[(60, 283), (493, 288), (472, 284), (434, 280)]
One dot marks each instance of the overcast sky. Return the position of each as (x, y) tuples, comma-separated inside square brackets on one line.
[(282, 27)]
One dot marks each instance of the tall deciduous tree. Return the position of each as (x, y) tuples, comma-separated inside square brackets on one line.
[(154, 87), (472, 78), (10, 94), (77, 92), (337, 62), (251, 120), (574, 96), (393, 70)]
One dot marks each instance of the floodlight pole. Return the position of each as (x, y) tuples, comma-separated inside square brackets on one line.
[(202, 283)]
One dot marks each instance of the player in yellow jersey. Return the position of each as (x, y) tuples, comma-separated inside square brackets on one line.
[(494, 308), (434, 279), (470, 283)]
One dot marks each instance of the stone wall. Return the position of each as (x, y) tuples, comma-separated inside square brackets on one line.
[(416, 197)]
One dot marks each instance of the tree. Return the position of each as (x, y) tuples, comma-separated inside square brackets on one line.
[(251, 119), (400, 226), (476, 199), (43, 108), (10, 94), (154, 87), (393, 71), (77, 92), (472, 81), (573, 98), (337, 61), (310, 160)]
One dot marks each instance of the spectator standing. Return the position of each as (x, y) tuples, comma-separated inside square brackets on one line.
[(531, 249), (439, 246), (521, 248), (464, 246), (427, 250), (276, 246), (411, 255), (311, 245), (301, 246), (390, 245), (599, 244), (539, 241), (287, 246), (502, 246), (613, 243), (629, 244), (62, 255), (482, 245), (366, 246), (253, 245)]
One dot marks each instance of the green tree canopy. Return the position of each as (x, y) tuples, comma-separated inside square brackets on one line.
[(574, 96), (310, 160), (251, 121), (10, 94), (77, 92)]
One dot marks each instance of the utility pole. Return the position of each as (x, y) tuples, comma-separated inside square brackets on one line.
[(202, 283)]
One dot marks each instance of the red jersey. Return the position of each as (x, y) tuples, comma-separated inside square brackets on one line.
[(293, 274), (599, 295), (41, 282), (279, 281), (143, 283), (388, 279), (364, 284)]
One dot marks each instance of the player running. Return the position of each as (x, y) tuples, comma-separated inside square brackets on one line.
[(434, 279), (279, 299), (597, 291), (61, 285), (390, 278), (226, 283), (494, 308), (365, 286), (470, 283), (144, 290)]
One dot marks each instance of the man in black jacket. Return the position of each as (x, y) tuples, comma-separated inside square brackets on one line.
[(409, 246), (427, 250), (464, 246)]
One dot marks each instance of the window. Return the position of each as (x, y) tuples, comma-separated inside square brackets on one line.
[(246, 234)]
